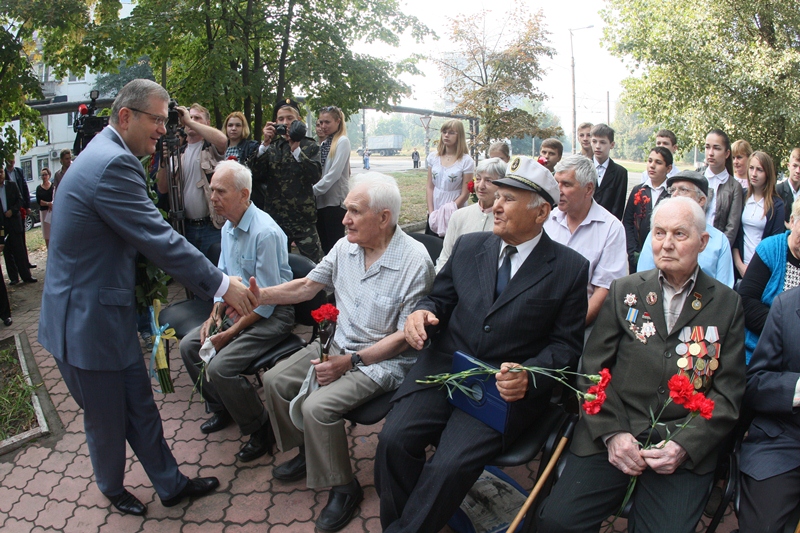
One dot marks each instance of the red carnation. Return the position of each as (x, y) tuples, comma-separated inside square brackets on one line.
[(605, 378), (232, 158), (699, 403), (595, 397), (542, 161), (680, 389), (471, 186), (326, 313)]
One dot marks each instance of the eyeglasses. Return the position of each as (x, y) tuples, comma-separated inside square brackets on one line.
[(328, 109), (159, 119), (681, 191)]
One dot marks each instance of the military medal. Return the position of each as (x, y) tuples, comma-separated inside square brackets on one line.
[(696, 304), (648, 328), (651, 298), (632, 315), (694, 349), (683, 363), (630, 300), (685, 334), (682, 349)]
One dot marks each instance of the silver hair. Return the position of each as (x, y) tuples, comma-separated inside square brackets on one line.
[(536, 201), (382, 191), (698, 216), (494, 166), (585, 173), (242, 177), (136, 95)]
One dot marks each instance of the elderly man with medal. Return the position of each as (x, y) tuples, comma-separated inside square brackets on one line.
[(674, 320)]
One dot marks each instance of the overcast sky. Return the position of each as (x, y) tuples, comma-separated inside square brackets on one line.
[(596, 71)]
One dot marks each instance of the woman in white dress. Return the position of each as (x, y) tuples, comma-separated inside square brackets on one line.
[(450, 169)]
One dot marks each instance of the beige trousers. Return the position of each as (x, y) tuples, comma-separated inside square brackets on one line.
[(325, 438)]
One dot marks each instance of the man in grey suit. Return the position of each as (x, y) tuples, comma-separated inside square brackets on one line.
[(104, 218), (510, 297), (770, 461)]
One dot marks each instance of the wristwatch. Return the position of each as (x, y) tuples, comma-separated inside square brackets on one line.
[(355, 359)]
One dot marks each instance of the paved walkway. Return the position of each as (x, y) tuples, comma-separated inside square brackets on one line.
[(48, 486)]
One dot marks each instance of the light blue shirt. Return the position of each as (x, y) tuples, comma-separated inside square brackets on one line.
[(257, 247), (716, 260)]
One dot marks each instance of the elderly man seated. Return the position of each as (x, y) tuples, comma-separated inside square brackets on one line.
[(508, 298), (655, 325), (770, 460), (378, 274), (716, 259), (252, 245), (586, 227)]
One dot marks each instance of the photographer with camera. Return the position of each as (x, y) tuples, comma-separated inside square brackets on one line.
[(285, 169), (204, 148)]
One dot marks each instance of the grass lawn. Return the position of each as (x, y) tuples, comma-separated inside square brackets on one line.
[(34, 239), (412, 190)]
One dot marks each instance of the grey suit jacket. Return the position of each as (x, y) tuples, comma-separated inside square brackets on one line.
[(104, 216), (538, 320), (772, 445), (640, 372)]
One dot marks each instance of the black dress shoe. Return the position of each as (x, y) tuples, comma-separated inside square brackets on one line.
[(260, 444), (13, 282), (127, 503), (8, 321), (293, 469), (199, 486), (219, 420), (342, 504), (30, 280)]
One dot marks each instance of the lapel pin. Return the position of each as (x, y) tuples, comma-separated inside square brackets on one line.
[(697, 304), (651, 298)]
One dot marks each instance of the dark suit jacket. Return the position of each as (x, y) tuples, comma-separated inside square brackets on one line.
[(637, 223), (104, 217), (18, 177), (538, 320), (14, 203), (784, 190), (640, 372), (772, 445), (611, 192)]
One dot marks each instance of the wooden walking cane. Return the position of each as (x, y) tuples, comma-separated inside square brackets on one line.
[(539, 484)]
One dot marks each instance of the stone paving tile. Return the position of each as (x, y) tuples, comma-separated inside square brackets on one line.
[(49, 486)]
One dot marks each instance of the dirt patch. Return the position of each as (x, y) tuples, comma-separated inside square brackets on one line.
[(26, 297)]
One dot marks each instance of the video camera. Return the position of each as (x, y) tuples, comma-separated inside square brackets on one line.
[(296, 131), (87, 125)]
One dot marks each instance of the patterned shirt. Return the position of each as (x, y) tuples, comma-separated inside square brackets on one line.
[(375, 302), (234, 151), (324, 150)]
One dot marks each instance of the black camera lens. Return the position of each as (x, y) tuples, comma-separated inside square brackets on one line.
[(280, 129)]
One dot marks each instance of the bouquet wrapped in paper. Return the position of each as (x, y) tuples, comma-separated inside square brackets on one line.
[(159, 362)]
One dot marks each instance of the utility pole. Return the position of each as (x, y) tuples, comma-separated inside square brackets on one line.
[(574, 109)]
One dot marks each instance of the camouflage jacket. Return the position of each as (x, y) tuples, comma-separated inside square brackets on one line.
[(283, 186)]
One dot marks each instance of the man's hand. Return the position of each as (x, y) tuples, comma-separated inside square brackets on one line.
[(293, 145), (332, 369), (269, 133), (240, 297), (184, 114), (8, 213), (512, 386), (414, 329), (665, 458), (625, 455), (221, 339)]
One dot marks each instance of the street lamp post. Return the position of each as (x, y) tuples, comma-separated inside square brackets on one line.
[(574, 110), (426, 122)]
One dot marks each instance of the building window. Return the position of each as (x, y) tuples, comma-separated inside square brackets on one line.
[(41, 162), (27, 169), (75, 77), (71, 118)]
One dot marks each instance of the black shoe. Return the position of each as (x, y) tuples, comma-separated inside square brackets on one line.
[(260, 444), (7, 321), (31, 266), (199, 486), (30, 280), (13, 282), (342, 504), (127, 503), (293, 469), (218, 421)]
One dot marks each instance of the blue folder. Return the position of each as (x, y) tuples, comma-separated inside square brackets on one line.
[(484, 401)]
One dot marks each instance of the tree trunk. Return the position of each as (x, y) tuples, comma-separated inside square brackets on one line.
[(279, 90)]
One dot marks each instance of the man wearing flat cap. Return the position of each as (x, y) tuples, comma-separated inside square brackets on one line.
[(529, 309)]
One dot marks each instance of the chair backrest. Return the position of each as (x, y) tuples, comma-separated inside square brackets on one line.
[(301, 266), (432, 243)]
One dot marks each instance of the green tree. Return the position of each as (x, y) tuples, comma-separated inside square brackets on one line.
[(246, 54), (492, 69), (110, 83), (706, 63), (632, 136)]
